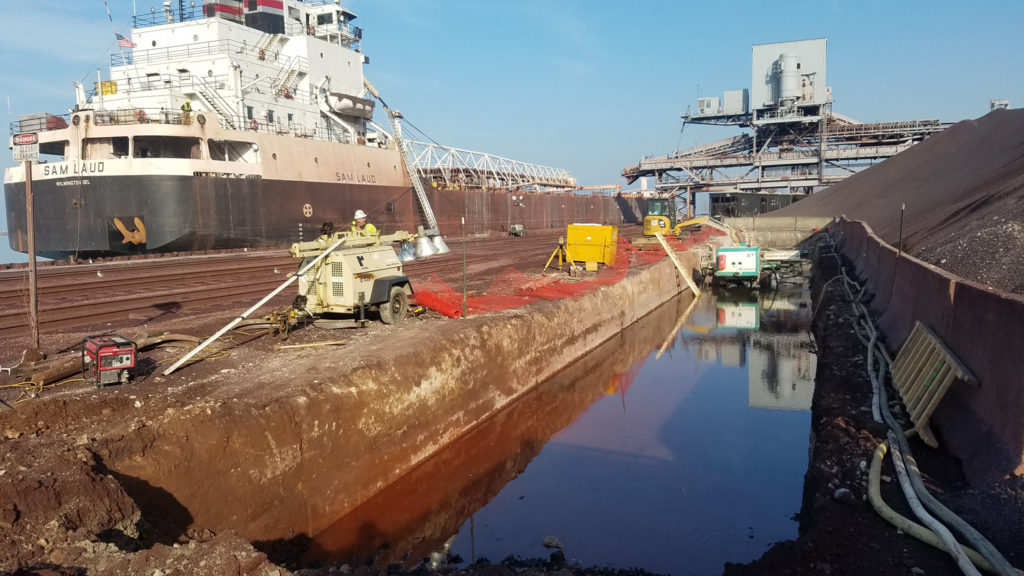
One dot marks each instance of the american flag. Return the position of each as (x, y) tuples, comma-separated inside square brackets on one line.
[(123, 42)]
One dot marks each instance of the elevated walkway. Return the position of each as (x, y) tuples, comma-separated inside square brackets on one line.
[(459, 167)]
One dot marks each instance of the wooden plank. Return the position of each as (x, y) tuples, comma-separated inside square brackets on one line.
[(930, 387), (924, 430), (941, 388), (679, 266), (922, 372), (917, 358), (966, 374), (931, 359), (909, 350)]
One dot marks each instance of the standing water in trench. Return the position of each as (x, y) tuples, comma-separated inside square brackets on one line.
[(677, 446)]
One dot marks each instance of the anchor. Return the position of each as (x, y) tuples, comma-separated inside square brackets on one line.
[(136, 236)]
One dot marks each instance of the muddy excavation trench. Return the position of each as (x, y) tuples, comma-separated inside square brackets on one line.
[(634, 427)]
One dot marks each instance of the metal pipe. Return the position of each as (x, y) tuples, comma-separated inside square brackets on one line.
[(33, 293), (254, 307), (465, 307)]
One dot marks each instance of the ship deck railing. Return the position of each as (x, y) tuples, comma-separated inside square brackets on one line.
[(192, 84), (343, 32), (43, 122), (159, 17), (189, 52)]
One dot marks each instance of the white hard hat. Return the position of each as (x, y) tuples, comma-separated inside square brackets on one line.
[(359, 214)]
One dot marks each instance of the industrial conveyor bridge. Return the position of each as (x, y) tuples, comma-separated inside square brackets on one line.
[(465, 168), (798, 153)]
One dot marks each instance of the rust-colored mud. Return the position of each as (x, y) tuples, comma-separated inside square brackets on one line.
[(414, 516), (327, 441)]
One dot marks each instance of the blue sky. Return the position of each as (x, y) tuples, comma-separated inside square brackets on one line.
[(587, 85)]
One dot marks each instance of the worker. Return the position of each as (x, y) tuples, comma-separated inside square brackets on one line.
[(186, 112), (361, 227)]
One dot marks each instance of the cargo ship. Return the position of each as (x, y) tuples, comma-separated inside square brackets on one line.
[(238, 124)]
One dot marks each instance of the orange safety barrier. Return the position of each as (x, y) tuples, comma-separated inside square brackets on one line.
[(512, 288)]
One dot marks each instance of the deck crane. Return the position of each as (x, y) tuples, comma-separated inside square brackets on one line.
[(434, 233)]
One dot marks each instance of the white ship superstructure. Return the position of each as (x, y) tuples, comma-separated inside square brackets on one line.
[(234, 124), (296, 69), (224, 125)]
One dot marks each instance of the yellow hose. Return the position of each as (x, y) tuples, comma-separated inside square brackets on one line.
[(907, 525)]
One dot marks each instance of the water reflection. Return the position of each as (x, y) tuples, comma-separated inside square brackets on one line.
[(765, 331), (415, 516), (655, 451)]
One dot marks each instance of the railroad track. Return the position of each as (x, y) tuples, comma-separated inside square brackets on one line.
[(89, 295)]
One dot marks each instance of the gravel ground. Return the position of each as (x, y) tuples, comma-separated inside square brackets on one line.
[(964, 194)]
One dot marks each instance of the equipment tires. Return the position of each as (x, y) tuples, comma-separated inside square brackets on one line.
[(396, 308)]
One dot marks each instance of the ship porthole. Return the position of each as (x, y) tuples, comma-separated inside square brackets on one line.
[(76, 120), (154, 43), (367, 164), (201, 118), (316, 160), (274, 155)]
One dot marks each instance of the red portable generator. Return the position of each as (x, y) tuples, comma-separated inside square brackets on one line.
[(107, 359)]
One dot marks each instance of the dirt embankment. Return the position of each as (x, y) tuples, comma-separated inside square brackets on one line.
[(103, 480), (964, 194)]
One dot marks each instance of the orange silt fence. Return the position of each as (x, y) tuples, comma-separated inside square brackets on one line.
[(513, 288)]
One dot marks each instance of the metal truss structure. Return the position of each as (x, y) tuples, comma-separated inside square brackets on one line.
[(465, 168), (799, 150)]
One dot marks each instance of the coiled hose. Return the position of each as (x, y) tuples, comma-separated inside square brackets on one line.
[(916, 490)]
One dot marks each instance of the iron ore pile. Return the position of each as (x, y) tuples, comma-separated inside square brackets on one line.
[(964, 195)]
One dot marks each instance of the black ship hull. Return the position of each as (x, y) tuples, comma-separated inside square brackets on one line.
[(101, 216), (89, 217)]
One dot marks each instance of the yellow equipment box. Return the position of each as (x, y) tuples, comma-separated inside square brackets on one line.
[(592, 243)]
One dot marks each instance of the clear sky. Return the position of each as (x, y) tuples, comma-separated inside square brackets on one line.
[(587, 85)]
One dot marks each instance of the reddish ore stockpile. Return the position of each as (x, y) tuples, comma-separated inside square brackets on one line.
[(964, 194)]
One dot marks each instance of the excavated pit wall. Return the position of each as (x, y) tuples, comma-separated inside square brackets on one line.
[(411, 522), (329, 440), (983, 425)]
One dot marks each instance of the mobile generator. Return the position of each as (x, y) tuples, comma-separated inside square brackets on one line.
[(363, 274)]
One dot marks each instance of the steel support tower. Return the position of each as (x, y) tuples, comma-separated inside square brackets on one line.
[(796, 144)]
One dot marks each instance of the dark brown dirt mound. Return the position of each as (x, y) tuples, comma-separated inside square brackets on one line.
[(964, 195)]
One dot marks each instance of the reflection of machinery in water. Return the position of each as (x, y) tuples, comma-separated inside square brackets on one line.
[(764, 331), (737, 308), (780, 370)]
